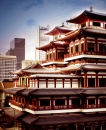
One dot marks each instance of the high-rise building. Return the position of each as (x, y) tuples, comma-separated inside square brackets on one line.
[(42, 39), (17, 48), (7, 64)]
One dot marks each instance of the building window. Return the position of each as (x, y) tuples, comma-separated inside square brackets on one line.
[(102, 82), (76, 48), (82, 47), (91, 82), (47, 56), (82, 82), (50, 55), (75, 101), (102, 101), (71, 49), (102, 48), (90, 46), (59, 102), (45, 102), (91, 101), (53, 54), (60, 54), (96, 24), (30, 101)]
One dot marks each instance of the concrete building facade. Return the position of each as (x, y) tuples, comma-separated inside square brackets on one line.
[(17, 48), (7, 64)]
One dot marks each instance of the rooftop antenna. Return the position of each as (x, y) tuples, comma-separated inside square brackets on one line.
[(91, 9)]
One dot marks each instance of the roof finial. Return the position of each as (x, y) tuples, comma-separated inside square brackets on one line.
[(62, 24), (91, 9)]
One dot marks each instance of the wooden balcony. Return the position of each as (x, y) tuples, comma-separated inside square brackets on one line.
[(52, 60), (23, 86), (13, 102), (94, 106), (84, 52), (38, 108)]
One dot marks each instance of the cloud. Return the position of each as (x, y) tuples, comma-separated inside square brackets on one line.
[(33, 3), (31, 22)]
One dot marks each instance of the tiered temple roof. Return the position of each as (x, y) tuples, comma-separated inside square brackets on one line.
[(59, 30), (86, 15)]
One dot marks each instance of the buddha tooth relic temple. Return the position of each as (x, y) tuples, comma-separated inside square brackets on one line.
[(66, 91)]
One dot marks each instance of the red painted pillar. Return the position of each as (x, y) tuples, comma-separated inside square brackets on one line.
[(85, 79), (37, 103), (54, 83), (70, 83), (96, 79), (46, 83), (52, 105), (67, 102), (63, 82)]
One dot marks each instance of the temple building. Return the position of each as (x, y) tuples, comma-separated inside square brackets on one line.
[(67, 91)]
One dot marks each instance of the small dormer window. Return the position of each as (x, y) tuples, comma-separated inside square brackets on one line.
[(96, 24)]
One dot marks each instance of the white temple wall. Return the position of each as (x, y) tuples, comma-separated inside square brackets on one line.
[(74, 85), (67, 83), (42, 84), (50, 84)]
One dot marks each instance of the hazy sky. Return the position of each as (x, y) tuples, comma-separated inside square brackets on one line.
[(21, 18)]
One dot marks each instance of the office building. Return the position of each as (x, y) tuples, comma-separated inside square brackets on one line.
[(42, 39), (7, 64), (17, 48)]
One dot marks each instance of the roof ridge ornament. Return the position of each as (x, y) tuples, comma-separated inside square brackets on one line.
[(91, 9), (62, 24)]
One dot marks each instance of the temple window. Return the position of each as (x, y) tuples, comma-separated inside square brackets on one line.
[(82, 82), (47, 56), (103, 101), (30, 101), (90, 46), (82, 47), (102, 48), (91, 101), (102, 82), (75, 101), (76, 48), (96, 24), (71, 49), (53, 54), (34, 102), (91, 82), (50, 55), (60, 54), (45, 102), (59, 102)]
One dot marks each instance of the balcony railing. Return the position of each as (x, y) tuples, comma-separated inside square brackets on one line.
[(13, 102), (84, 52), (53, 59), (94, 106), (62, 107)]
